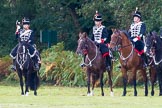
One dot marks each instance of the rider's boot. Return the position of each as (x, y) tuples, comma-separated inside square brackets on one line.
[(144, 59), (13, 66), (111, 56), (108, 63), (36, 64)]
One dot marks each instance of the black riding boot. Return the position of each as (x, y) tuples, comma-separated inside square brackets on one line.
[(112, 56), (144, 59), (108, 63), (36, 64), (13, 67), (82, 64)]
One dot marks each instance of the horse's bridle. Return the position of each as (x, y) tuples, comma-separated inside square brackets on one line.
[(152, 49), (24, 55), (116, 44), (117, 47), (85, 52)]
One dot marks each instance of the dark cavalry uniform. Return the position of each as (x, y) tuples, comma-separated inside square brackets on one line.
[(137, 32), (100, 37), (26, 36)]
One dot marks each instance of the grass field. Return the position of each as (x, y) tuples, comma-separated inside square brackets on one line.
[(68, 97)]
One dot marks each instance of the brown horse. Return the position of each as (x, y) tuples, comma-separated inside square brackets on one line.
[(95, 63), (129, 59)]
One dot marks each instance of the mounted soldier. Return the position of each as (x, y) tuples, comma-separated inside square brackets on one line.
[(137, 31), (25, 35), (100, 37)]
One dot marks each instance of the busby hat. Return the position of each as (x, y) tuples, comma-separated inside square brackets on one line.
[(137, 14), (26, 21), (97, 17)]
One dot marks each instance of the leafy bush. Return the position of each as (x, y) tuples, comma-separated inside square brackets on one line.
[(4, 64), (62, 67)]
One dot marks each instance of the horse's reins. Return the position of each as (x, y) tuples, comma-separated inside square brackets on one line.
[(120, 54), (153, 56), (124, 58), (90, 61), (21, 64)]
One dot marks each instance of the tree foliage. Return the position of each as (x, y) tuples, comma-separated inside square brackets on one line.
[(68, 16)]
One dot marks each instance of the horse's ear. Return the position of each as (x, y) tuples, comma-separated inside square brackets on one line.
[(113, 30), (80, 34), (84, 34)]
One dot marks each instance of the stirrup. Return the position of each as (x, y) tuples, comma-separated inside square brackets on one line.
[(82, 65), (108, 68), (36, 67), (145, 65), (13, 67)]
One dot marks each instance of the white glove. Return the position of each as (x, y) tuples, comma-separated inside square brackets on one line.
[(98, 41), (18, 27), (145, 49), (135, 39)]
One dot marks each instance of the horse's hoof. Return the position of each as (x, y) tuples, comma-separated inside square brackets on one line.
[(35, 94), (27, 93), (160, 94), (124, 95), (152, 93), (90, 94), (112, 94)]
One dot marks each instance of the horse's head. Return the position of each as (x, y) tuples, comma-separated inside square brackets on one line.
[(150, 43), (22, 55), (82, 44), (115, 40)]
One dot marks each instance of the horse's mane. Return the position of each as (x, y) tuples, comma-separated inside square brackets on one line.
[(157, 38), (125, 32)]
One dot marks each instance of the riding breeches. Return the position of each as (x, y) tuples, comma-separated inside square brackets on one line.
[(103, 48), (32, 51), (139, 45)]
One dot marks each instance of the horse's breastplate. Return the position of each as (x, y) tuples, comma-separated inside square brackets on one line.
[(97, 32), (25, 35), (135, 29)]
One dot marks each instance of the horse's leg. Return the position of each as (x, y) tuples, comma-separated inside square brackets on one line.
[(26, 84), (88, 82), (159, 75), (134, 81), (152, 73), (101, 83), (35, 85), (110, 82), (93, 83), (21, 82), (125, 78), (143, 71)]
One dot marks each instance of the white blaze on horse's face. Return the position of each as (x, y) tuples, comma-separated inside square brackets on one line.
[(23, 53)]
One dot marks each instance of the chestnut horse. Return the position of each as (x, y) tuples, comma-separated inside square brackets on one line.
[(154, 49), (95, 63), (129, 59)]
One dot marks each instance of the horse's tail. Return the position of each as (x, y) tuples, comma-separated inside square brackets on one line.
[(34, 81)]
